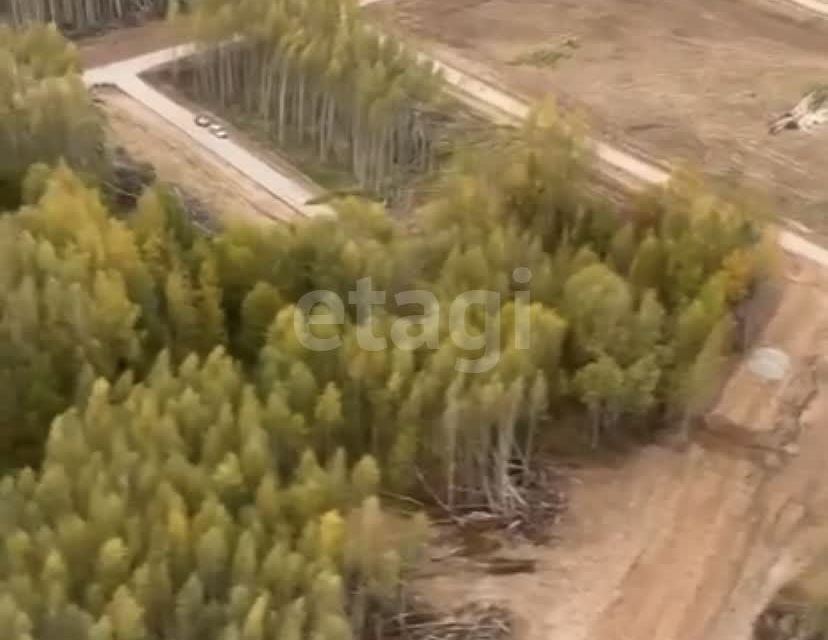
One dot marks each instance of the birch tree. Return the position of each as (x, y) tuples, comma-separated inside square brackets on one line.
[(320, 79), (83, 16)]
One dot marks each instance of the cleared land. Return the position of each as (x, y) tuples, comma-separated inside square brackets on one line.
[(667, 544), (178, 160), (675, 81), (685, 545), (127, 42)]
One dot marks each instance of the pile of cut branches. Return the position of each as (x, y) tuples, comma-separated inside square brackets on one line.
[(470, 622), (539, 502), (809, 113)]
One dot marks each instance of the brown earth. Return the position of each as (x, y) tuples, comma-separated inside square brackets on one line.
[(127, 42), (667, 544), (678, 81), (672, 544), (752, 410), (225, 192)]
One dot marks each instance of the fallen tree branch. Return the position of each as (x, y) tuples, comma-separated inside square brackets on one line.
[(471, 622)]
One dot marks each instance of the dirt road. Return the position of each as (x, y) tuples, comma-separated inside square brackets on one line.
[(818, 6), (685, 545)]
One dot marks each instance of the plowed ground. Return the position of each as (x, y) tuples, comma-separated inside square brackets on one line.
[(684, 82), (224, 191), (686, 544)]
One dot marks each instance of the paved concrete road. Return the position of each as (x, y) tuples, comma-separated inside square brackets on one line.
[(125, 75), (820, 6)]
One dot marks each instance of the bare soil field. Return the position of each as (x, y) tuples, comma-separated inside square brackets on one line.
[(127, 42), (227, 193), (684, 82), (684, 544)]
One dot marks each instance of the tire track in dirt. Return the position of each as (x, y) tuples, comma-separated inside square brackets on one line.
[(711, 497), (686, 545), (744, 525), (672, 545)]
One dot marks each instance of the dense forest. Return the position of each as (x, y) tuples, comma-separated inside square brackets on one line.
[(318, 77), (45, 112), (182, 466), (83, 16)]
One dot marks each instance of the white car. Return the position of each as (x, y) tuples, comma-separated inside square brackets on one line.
[(218, 131), (202, 121)]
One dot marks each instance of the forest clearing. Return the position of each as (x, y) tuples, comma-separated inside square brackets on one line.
[(181, 384), (692, 544), (120, 44), (695, 84)]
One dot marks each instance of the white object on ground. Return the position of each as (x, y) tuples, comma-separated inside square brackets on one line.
[(769, 364)]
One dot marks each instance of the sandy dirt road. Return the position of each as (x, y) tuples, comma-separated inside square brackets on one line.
[(672, 544), (225, 191), (695, 82), (478, 86)]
